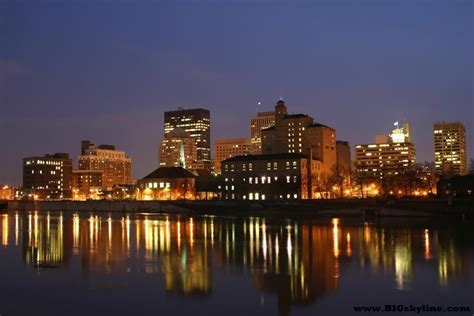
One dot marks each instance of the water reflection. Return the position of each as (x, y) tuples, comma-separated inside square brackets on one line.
[(296, 261)]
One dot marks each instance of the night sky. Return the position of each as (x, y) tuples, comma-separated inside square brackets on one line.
[(107, 70)]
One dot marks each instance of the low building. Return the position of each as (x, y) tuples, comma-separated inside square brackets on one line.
[(86, 184), (167, 183), (266, 177), (48, 177), (7, 192)]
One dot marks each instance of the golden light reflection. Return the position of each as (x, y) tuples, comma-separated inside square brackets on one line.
[(348, 240), (426, 236), (75, 232), (17, 228), (335, 237), (5, 230)]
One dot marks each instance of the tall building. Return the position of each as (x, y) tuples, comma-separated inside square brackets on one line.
[(450, 147), (261, 121), (115, 166), (230, 147), (298, 133), (197, 123), (48, 177), (178, 149), (389, 156)]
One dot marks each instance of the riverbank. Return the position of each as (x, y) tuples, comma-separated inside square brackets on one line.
[(311, 208)]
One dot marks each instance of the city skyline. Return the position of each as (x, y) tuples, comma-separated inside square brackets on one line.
[(97, 83)]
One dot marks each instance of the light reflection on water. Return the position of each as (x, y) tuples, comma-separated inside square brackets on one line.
[(296, 261)]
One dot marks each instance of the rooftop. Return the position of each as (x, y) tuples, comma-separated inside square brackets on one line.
[(169, 173)]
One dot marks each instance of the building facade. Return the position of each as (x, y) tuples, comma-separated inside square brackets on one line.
[(48, 177), (197, 123), (260, 121), (298, 133), (178, 149), (376, 161), (115, 166), (230, 147), (7, 192), (450, 148), (282, 176), (86, 184)]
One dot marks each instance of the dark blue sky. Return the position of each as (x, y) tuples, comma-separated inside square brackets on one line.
[(106, 70)]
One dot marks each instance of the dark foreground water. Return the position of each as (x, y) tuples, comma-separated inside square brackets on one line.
[(144, 264)]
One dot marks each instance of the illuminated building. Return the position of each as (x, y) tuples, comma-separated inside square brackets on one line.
[(230, 147), (297, 133), (178, 149), (389, 156), (197, 123), (450, 148), (167, 183), (261, 121), (265, 177), (48, 177), (6, 192), (401, 134), (115, 166), (86, 184)]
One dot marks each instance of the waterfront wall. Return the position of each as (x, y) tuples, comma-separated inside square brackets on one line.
[(330, 207)]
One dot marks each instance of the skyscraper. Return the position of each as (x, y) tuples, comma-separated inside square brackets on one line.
[(178, 149), (197, 123), (261, 121), (48, 177), (115, 166), (450, 148)]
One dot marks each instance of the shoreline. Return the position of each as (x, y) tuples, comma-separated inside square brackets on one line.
[(367, 208)]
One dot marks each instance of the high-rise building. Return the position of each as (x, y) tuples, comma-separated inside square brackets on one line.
[(48, 177), (298, 133), (115, 166), (261, 121), (390, 155), (197, 123), (230, 147), (450, 147), (178, 149)]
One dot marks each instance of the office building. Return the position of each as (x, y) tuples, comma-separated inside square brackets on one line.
[(261, 121), (7, 192), (178, 149), (389, 156), (48, 177), (298, 133), (230, 147), (450, 148), (197, 123), (115, 166)]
